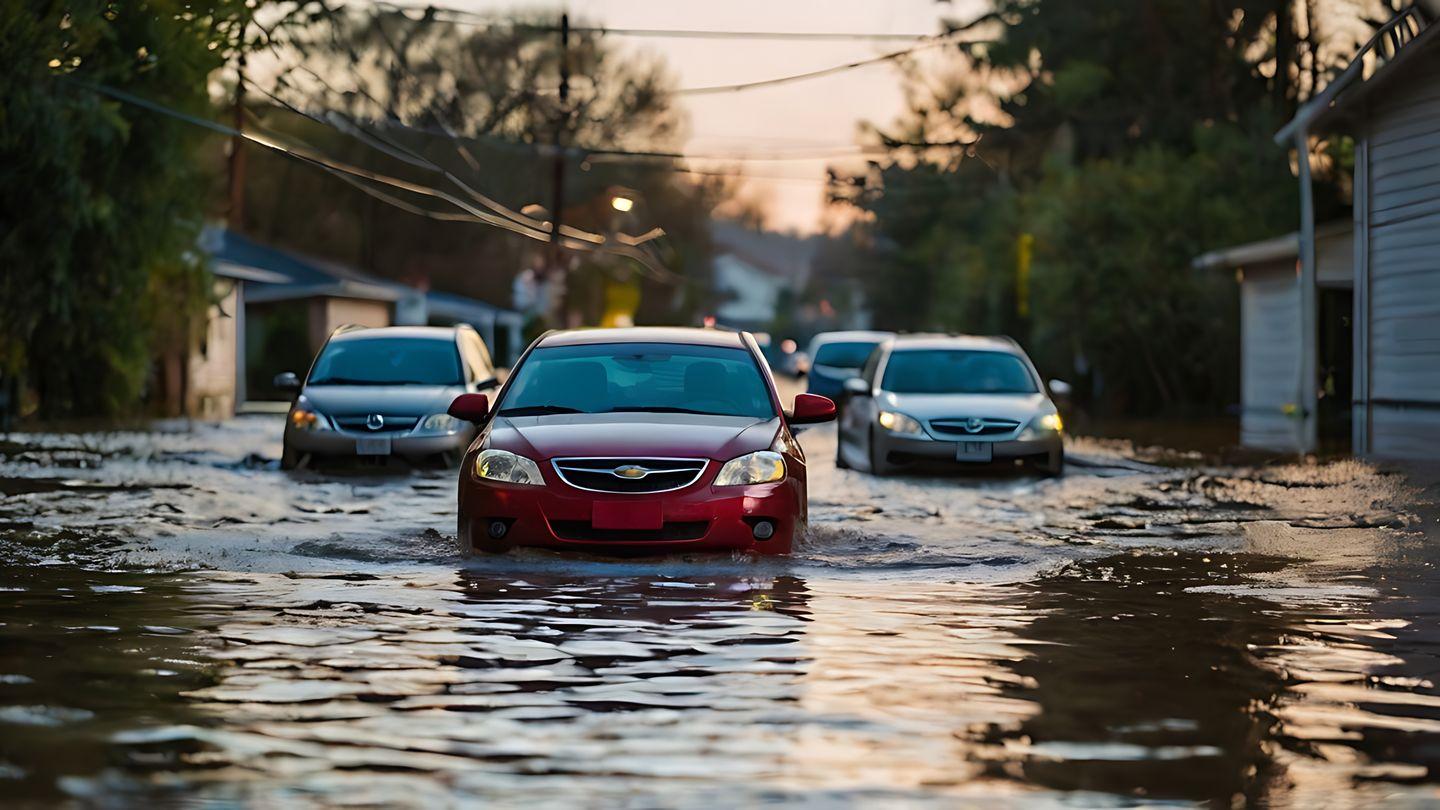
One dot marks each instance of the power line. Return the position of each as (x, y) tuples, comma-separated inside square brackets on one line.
[(471, 18), (933, 42)]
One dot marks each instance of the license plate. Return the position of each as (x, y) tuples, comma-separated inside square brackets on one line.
[(974, 451), (372, 447), (627, 515)]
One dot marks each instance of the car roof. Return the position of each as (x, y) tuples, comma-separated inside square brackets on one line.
[(645, 334), (423, 332), (854, 335), (974, 342)]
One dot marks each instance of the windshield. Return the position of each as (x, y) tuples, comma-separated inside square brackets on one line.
[(851, 354), (945, 371), (388, 361), (642, 377)]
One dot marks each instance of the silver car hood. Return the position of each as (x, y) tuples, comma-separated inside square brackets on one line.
[(389, 400), (1020, 407)]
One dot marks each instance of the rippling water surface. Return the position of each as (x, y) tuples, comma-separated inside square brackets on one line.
[(180, 621)]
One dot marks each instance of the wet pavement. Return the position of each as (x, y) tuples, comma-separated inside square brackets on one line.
[(181, 621)]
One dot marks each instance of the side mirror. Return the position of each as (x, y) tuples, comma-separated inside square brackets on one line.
[(857, 385), (470, 407), (811, 409), (286, 381), (1060, 388)]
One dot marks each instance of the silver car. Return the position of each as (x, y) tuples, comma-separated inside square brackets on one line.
[(378, 393), (957, 400)]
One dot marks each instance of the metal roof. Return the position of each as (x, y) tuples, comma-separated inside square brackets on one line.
[(645, 334)]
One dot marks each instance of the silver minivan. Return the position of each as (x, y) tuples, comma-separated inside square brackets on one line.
[(951, 400), (384, 392)]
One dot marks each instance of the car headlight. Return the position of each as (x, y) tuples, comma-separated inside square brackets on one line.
[(502, 465), (754, 468), (1042, 426), (440, 423), (897, 422), (304, 417)]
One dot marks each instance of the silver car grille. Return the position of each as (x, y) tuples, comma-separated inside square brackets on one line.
[(632, 476), (390, 423), (973, 426)]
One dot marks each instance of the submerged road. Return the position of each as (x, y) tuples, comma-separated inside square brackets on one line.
[(180, 620)]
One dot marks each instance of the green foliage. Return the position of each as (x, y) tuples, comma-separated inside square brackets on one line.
[(100, 203), (1131, 137)]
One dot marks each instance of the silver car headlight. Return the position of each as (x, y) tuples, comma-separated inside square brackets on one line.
[(1043, 426), (754, 468), (900, 424), (440, 423), (507, 467)]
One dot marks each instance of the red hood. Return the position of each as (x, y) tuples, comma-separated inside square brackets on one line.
[(640, 435)]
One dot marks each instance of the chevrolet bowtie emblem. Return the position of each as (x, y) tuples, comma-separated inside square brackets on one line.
[(630, 471)]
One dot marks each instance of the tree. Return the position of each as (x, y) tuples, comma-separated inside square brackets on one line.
[(1119, 140), (100, 202), (480, 101)]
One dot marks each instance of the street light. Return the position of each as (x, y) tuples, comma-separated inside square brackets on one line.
[(622, 203)]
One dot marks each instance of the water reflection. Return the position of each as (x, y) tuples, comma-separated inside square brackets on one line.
[(1137, 678)]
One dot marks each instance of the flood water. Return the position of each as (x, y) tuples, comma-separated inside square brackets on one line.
[(182, 622)]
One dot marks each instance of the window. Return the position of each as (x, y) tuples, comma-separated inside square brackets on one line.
[(477, 361), (849, 354), (948, 371), (653, 377), (872, 365), (388, 361)]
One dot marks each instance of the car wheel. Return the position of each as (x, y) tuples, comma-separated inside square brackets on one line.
[(1053, 465), (289, 459), (878, 465), (840, 462)]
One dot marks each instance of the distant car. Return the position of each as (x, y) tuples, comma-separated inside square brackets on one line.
[(648, 440), (376, 393), (955, 400), (835, 357)]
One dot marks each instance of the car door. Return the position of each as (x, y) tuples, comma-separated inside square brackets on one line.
[(858, 412)]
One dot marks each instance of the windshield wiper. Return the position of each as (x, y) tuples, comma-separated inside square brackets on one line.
[(539, 410), (663, 409)]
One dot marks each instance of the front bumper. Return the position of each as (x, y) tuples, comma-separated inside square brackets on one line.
[(697, 518), (902, 450), (340, 443)]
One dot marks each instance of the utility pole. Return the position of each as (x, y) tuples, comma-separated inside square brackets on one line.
[(235, 216), (557, 180)]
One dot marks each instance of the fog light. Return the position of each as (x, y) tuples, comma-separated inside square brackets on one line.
[(498, 528), (764, 530)]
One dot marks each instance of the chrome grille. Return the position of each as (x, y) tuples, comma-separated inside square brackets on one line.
[(393, 424), (963, 426), (634, 476)]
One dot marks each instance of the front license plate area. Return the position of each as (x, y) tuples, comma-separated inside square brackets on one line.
[(974, 451), (372, 447), (627, 515)]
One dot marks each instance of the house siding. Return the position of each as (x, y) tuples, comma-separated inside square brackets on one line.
[(1400, 312), (1270, 334)]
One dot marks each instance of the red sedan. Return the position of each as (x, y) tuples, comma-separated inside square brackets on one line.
[(636, 440)]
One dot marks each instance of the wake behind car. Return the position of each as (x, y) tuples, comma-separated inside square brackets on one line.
[(948, 400), (636, 440), (378, 393)]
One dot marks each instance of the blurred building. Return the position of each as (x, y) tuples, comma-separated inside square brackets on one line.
[(1268, 273), (1388, 100), (275, 308), (757, 273)]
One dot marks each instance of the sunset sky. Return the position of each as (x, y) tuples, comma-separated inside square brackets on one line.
[(817, 114)]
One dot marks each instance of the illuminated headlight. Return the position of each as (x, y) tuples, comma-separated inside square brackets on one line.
[(754, 468), (1042, 427), (304, 417), (440, 423), (896, 422), (501, 465)]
